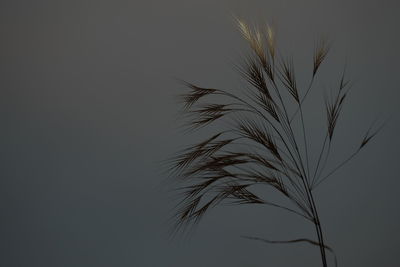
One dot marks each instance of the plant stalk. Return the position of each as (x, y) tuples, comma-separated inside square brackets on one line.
[(316, 221), (319, 232)]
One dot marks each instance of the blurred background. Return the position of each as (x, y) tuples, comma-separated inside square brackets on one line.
[(88, 112)]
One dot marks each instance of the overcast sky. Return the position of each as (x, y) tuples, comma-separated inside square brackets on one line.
[(88, 111)]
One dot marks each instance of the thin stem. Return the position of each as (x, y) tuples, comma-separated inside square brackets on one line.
[(305, 143), (289, 130), (321, 171), (338, 167), (302, 100), (288, 209), (319, 160), (319, 232)]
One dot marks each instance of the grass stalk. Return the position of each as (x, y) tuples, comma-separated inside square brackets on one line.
[(257, 144)]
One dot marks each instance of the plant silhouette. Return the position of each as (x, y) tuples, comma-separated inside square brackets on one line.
[(255, 142)]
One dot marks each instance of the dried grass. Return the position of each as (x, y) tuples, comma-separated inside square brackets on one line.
[(218, 169)]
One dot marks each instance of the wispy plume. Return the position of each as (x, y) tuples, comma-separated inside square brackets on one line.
[(256, 143)]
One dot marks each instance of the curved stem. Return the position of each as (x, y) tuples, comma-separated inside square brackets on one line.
[(302, 100), (305, 144), (338, 167), (318, 227)]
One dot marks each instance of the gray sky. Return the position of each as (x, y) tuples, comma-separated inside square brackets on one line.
[(88, 112)]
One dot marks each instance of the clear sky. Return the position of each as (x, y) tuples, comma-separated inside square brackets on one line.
[(88, 111)]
